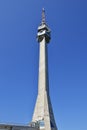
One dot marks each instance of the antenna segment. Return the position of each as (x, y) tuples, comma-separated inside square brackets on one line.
[(43, 16)]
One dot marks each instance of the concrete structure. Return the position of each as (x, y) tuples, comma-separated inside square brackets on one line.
[(17, 127), (43, 118), (43, 113)]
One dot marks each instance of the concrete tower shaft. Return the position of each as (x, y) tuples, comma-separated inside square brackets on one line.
[(43, 113)]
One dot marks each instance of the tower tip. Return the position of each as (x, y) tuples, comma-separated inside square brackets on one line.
[(43, 16), (43, 9)]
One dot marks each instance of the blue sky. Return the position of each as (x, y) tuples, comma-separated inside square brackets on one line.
[(67, 53)]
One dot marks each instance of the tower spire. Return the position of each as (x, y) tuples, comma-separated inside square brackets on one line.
[(43, 16)]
